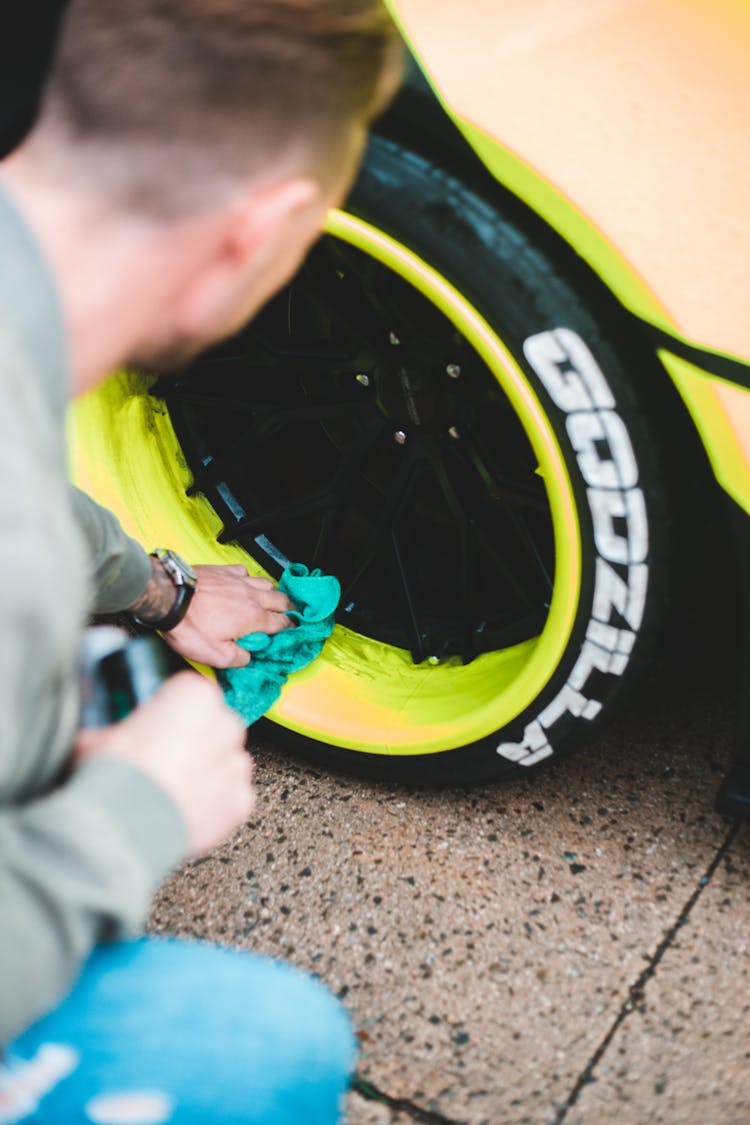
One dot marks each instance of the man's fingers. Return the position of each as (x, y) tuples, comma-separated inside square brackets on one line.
[(267, 595), (272, 623), (276, 603), (259, 583), (274, 600), (232, 656), (229, 603)]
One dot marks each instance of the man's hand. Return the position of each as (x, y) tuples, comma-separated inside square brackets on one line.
[(190, 743), (227, 604)]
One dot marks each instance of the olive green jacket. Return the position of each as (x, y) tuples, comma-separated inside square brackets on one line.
[(81, 851)]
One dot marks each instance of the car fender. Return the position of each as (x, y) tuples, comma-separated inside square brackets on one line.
[(622, 126)]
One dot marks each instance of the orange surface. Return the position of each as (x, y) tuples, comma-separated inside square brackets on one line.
[(638, 111)]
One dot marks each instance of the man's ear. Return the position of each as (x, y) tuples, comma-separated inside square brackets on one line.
[(266, 213), (256, 242)]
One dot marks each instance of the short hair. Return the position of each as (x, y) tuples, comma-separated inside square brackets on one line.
[(165, 98)]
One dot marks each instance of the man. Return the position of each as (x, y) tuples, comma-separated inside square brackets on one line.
[(184, 159)]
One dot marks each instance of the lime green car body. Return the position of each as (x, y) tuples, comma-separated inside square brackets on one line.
[(623, 125)]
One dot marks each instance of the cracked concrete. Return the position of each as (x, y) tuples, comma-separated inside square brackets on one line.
[(685, 1047), (486, 942)]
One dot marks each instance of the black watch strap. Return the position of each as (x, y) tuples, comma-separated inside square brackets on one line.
[(183, 578), (183, 597)]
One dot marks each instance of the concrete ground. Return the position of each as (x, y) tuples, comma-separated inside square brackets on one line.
[(573, 948)]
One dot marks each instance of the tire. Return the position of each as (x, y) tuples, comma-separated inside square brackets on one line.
[(506, 427)]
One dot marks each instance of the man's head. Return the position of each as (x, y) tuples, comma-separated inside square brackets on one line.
[(240, 121), (208, 93)]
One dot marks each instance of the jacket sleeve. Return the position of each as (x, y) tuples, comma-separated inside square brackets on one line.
[(120, 568), (83, 849), (77, 866)]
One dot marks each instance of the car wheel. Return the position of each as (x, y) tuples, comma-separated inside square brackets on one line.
[(438, 411)]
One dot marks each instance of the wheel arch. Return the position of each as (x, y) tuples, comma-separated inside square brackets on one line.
[(419, 119)]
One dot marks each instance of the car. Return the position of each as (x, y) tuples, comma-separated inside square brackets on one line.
[(496, 397)]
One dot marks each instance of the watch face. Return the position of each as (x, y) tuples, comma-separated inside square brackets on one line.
[(181, 571)]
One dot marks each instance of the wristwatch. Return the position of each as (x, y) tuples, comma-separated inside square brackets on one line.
[(185, 582)]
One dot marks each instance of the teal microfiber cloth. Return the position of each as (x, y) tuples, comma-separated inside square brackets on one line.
[(256, 687)]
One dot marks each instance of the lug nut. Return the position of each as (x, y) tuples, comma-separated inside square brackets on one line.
[(453, 371), (453, 431), (363, 380), (399, 437)]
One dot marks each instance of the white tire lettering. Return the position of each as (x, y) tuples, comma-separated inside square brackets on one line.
[(613, 592), (606, 507), (638, 588), (583, 387), (609, 638), (631, 546), (619, 469), (572, 701), (596, 659), (605, 457), (538, 756), (533, 747), (637, 526)]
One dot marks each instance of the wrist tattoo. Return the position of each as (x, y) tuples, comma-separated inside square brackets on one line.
[(159, 597)]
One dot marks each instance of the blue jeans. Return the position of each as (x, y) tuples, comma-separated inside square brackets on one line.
[(167, 1031)]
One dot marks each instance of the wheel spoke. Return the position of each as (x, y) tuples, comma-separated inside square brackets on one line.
[(344, 485), (469, 527), (196, 397), (415, 635), (257, 351), (499, 485), (351, 311), (399, 493), (268, 423), (273, 517), (514, 498)]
